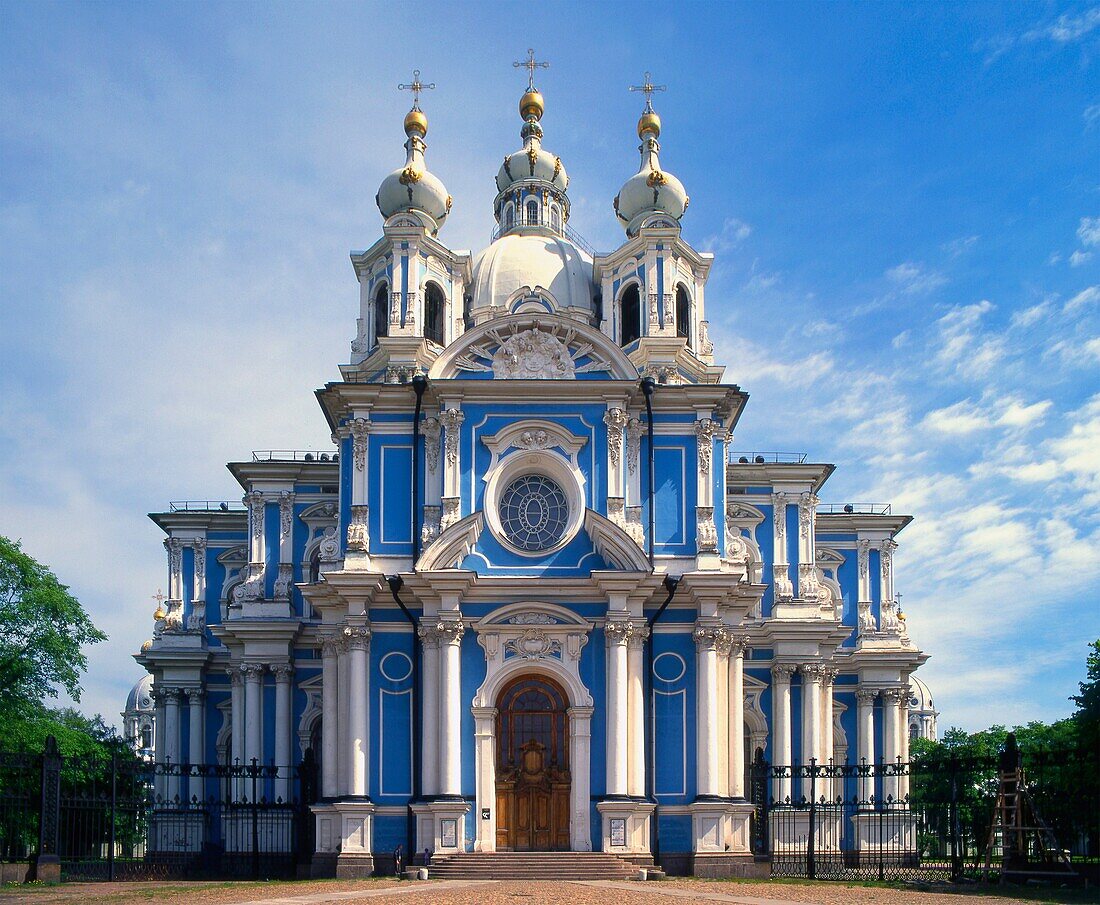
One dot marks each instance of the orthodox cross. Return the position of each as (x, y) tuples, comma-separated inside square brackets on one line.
[(648, 87), (531, 64), (416, 86)]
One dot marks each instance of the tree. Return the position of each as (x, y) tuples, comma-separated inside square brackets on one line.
[(1087, 716), (42, 630)]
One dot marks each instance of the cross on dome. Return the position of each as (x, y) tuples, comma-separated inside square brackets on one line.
[(416, 86), (648, 87), (531, 64)]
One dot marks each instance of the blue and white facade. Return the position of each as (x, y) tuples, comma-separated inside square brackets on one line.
[(529, 522)]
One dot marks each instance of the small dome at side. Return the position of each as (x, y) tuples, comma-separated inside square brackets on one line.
[(140, 697)]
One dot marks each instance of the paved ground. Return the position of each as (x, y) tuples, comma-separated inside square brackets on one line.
[(462, 892)]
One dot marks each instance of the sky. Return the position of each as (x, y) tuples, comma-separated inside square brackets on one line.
[(903, 201)]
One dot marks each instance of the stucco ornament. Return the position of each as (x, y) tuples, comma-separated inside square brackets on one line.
[(533, 644), (533, 355)]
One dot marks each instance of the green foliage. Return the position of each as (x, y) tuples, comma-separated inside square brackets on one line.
[(42, 630), (1088, 701)]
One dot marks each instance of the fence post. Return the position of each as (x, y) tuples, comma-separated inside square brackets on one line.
[(255, 823), (811, 864), (953, 816), (114, 809), (48, 862)]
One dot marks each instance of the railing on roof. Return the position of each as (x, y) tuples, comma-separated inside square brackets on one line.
[(293, 455), (739, 457), (850, 508), (206, 506), (562, 229)]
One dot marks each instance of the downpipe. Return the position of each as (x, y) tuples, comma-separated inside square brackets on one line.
[(395, 583), (671, 583)]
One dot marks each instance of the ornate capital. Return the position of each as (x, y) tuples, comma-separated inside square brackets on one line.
[(710, 637), (234, 673), (252, 671), (637, 637), (812, 672), (431, 429), (357, 637), (452, 419), (282, 672), (330, 645), (618, 631), (451, 631), (807, 507), (428, 633), (359, 428), (896, 696), (863, 549), (866, 696), (705, 432), (616, 420), (739, 645), (634, 431), (782, 672), (195, 695)]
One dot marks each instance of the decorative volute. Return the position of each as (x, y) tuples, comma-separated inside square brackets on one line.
[(413, 189), (652, 195)]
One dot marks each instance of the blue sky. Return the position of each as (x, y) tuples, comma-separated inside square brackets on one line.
[(904, 201)]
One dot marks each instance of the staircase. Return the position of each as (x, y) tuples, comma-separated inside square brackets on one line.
[(531, 866)]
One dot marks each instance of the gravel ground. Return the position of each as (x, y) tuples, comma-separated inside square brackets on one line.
[(378, 892)]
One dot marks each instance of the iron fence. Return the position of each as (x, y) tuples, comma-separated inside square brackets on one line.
[(118, 817), (944, 818)]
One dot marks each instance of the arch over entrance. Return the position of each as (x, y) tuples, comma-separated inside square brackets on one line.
[(533, 779)]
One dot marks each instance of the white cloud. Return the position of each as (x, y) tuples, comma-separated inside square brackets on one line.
[(965, 417), (1079, 257), (1091, 116), (960, 246), (1068, 28), (732, 234), (914, 279), (959, 419), (901, 340), (1084, 297), (1027, 317), (1088, 232)]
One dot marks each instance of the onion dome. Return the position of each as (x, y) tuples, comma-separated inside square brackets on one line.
[(141, 695), (412, 189), (531, 163), (652, 195)]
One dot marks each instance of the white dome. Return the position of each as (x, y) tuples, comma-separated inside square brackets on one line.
[(427, 194), (141, 695), (532, 163), (921, 697), (652, 194), (514, 262)]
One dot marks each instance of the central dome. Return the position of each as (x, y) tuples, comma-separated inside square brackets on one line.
[(516, 262)]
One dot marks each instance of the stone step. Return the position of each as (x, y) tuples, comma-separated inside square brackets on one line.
[(532, 866)]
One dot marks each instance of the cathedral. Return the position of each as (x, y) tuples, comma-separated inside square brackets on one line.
[(533, 599)]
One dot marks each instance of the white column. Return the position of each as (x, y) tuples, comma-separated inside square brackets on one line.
[(358, 638), (485, 835), (891, 711), (236, 723), (723, 713), (429, 730), (450, 765), (811, 720), (781, 721), (451, 419), (636, 767), (781, 575), (329, 718), (580, 764), (736, 729), (343, 746), (284, 579), (832, 787), (807, 548), (283, 673), (903, 741), (253, 709), (616, 420), (706, 637), (172, 740), (865, 733), (617, 633), (196, 744)]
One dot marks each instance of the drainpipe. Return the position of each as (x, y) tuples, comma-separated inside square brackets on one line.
[(648, 385), (651, 767), (419, 385), (395, 583)]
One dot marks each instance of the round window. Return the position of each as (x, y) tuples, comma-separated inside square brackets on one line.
[(533, 513)]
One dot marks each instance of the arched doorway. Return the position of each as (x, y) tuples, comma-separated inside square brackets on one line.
[(532, 771)]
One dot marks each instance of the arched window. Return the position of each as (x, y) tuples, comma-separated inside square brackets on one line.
[(509, 217), (532, 212), (555, 218), (683, 314), (630, 315), (382, 311), (434, 303), (146, 737), (315, 566)]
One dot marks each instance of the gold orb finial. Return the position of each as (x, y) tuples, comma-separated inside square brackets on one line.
[(148, 644), (416, 121), (531, 105), (649, 122), (159, 613)]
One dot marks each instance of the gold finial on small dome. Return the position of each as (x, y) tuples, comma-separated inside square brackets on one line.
[(147, 644), (649, 122), (416, 121), (159, 613), (531, 105)]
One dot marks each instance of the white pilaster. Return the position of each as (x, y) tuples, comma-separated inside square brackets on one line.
[(707, 637), (807, 546), (865, 734), (283, 673), (736, 733), (451, 419), (891, 725), (236, 721), (358, 539), (781, 720), (485, 837), (636, 761), (781, 574), (580, 759), (329, 718), (343, 745), (253, 708), (429, 730), (172, 739)]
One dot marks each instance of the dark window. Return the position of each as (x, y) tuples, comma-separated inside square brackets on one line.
[(683, 314), (315, 566), (509, 217), (532, 213), (433, 313), (630, 315), (382, 311), (146, 738)]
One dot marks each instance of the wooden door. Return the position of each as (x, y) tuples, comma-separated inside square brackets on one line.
[(533, 781)]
